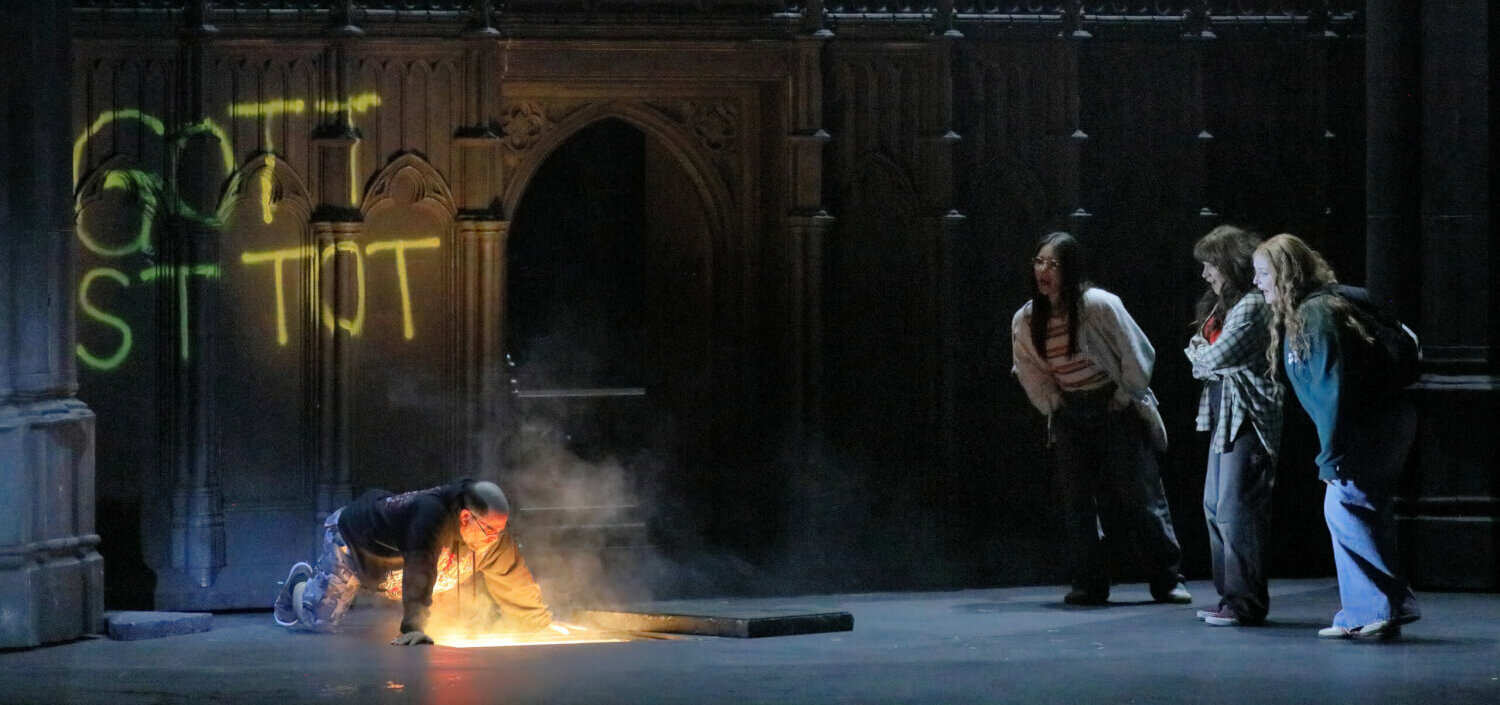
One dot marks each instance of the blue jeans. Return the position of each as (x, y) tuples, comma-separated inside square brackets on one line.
[(1104, 462), (335, 582), (1360, 512)]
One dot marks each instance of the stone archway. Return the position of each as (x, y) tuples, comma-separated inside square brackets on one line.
[(609, 313)]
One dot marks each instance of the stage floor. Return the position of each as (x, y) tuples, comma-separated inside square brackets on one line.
[(974, 646)]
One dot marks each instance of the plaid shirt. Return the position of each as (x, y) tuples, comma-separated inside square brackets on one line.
[(1238, 361)]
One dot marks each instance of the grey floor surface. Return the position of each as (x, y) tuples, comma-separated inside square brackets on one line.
[(976, 646)]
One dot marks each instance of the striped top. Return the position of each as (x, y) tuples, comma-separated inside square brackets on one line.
[(1074, 373)]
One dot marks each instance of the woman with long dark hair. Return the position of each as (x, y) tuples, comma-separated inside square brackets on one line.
[(1365, 430), (1085, 364), (1241, 408)]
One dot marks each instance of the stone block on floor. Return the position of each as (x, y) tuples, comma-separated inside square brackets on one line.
[(132, 626), (709, 620)]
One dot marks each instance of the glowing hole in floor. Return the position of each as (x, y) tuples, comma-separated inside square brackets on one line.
[(491, 641)]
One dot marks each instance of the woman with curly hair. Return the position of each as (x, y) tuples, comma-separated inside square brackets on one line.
[(1365, 429), (1240, 406)]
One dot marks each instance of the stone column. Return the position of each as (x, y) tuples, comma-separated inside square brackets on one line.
[(482, 230), (336, 278), (51, 575), (1431, 250), (481, 309), (808, 225), (942, 224), (1072, 198), (196, 543), (337, 271), (1199, 35), (195, 538), (1456, 247), (1392, 151)]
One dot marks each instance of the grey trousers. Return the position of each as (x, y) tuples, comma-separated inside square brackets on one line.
[(1237, 507), (1103, 458)]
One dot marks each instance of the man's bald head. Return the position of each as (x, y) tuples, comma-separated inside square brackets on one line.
[(485, 498)]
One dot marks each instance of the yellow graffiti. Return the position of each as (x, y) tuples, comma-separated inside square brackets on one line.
[(270, 108), (157, 195), (354, 173), (277, 257), (356, 104), (113, 361), (182, 273), (267, 176), (356, 324), (142, 186), (400, 247), (152, 123)]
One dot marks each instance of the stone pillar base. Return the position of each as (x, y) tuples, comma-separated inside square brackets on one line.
[(1449, 518), (51, 574)]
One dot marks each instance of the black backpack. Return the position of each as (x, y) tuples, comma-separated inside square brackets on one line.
[(1394, 359)]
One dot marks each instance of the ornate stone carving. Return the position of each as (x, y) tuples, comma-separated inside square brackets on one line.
[(715, 124), (525, 123)]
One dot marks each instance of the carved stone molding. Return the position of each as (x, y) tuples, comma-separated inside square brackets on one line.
[(427, 186)]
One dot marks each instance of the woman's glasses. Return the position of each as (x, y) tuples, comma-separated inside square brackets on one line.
[(1045, 263)]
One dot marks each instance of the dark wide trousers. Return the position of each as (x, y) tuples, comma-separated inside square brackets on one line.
[(1105, 461)]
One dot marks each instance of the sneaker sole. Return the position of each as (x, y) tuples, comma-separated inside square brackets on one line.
[(286, 586), (1382, 631)]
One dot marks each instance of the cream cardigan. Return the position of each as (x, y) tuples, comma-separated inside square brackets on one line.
[(1109, 338)]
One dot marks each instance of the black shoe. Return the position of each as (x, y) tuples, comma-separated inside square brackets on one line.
[(1085, 597)]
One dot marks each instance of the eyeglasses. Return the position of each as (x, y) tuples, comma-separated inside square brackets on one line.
[(486, 528), (1045, 263)]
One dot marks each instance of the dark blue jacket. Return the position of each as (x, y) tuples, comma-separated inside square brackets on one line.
[(1354, 417)]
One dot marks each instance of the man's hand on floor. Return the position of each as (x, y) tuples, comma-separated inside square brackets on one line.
[(411, 639)]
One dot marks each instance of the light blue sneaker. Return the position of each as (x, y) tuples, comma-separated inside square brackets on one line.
[(284, 610)]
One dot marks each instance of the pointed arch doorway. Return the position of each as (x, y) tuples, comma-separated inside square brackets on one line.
[(608, 317)]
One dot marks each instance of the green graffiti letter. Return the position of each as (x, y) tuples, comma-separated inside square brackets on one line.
[(113, 361), (144, 188), (182, 273)]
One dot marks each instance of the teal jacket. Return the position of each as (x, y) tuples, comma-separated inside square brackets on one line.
[(1354, 423)]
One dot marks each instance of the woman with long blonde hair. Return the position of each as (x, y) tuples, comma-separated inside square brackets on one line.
[(1365, 430)]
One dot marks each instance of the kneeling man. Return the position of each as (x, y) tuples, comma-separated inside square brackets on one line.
[(410, 546)]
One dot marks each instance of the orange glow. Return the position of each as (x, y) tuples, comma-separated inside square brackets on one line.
[(479, 641), (556, 634)]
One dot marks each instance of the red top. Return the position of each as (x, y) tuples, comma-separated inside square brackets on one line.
[(1212, 329)]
